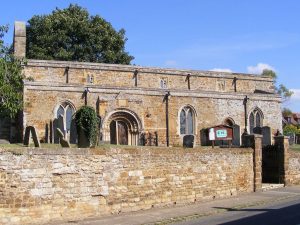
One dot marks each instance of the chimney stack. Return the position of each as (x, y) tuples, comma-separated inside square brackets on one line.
[(20, 39)]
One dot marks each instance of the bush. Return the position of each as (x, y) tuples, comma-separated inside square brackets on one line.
[(290, 129), (87, 121)]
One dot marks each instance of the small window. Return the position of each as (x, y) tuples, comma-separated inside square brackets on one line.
[(164, 83), (90, 79)]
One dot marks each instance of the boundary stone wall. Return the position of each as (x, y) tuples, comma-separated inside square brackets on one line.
[(42, 185), (294, 168)]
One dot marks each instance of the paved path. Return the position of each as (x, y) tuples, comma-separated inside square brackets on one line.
[(285, 212), (272, 202)]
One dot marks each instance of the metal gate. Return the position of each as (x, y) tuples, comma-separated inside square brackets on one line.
[(272, 164)]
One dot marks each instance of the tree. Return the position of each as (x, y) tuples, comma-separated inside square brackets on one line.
[(11, 80), (72, 34), (283, 91), (290, 129), (287, 112)]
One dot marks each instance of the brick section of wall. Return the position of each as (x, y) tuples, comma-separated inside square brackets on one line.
[(39, 185)]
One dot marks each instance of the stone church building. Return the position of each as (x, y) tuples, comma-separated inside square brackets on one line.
[(143, 105)]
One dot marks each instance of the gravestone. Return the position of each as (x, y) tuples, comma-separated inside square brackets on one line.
[(267, 136), (73, 133), (51, 132), (257, 130), (47, 133), (55, 136), (204, 137), (236, 140), (63, 142), (188, 141), (58, 123), (156, 138), (30, 131), (291, 138)]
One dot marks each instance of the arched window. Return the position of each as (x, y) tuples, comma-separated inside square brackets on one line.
[(255, 119), (187, 120), (65, 111)]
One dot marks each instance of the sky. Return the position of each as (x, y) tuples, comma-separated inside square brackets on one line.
[(226, 35)]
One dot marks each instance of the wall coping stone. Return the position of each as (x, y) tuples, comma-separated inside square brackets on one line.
[(143, 69), (140, 150)]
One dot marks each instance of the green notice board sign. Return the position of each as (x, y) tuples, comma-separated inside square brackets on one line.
[(221, 133)]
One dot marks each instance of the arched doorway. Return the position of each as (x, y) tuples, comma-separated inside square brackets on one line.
[(118, 132), (121, 127)]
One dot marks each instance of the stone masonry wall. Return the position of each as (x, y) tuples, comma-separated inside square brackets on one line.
[(294, 168), (40, 185), (41, 102), (114, 88), (110, 75)]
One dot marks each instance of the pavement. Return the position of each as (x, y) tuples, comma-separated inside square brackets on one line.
[(177, 214)]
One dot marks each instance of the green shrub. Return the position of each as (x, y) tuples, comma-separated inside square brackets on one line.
[(290, 129), (87, 121)]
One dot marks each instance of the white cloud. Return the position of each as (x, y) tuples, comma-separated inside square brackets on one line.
[(221, 70), (258, 69), (170, 63)]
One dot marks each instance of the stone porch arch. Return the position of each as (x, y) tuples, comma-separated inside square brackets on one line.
[(125, 118)]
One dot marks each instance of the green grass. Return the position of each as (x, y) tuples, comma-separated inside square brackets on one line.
[(295, 147), (19, 145)]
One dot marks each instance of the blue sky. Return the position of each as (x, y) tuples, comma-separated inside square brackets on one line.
[(231, 35)]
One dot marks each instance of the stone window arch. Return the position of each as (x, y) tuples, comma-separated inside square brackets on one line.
[(255, 119), (66, 110), (187, 120), (63, 119)]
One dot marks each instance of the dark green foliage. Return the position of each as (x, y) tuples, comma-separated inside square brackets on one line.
[(72, 34), (287, 112), (269, 73), (282, 90), (87, 121), (11, 80)]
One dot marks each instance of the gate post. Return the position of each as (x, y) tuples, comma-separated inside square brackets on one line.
[(282, 145), (255, 141)]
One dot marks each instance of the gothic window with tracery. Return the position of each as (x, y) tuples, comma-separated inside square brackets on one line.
[(255, 119), (66, 111), (187, 120)]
